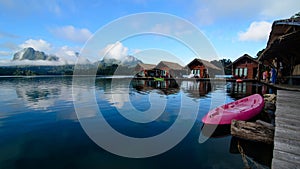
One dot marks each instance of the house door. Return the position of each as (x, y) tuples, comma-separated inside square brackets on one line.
[(254, 73)]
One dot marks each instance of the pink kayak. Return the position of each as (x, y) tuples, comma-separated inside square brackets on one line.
[(243, 109)]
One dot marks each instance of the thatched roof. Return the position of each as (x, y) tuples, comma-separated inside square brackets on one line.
[(171, 65), (207, 64), (284, 42), (283, 27), (146, 66)]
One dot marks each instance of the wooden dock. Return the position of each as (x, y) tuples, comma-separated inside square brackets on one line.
[(286, 153)]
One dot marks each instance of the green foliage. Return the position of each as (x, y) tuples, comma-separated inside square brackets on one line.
[(260, 52), (65, 70), (297, 15), (223, 63)]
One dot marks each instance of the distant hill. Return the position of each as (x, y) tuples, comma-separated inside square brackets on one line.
[(31, 54), (30, 62), (129, 61)]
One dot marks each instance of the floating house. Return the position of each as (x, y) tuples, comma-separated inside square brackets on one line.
[(144, 70), (244, 67), (282, 52), (168, 70), (199, 68)]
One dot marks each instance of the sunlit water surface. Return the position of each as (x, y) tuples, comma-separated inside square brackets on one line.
[(40, 129)]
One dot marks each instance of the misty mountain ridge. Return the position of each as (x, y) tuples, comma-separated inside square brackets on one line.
[(31, 54), (129, 61)]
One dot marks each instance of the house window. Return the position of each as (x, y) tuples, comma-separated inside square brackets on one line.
[(245, 71), (237, 71), (196, 72)]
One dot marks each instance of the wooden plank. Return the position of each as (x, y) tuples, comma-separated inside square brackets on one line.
[(289, 107), (287, 133), (287, 95), (287, 146), (288, 123), (287, 116), (286, 157), (286, 152), (281, 164)]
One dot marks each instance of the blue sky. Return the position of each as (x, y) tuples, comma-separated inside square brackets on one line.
[(63, 27)]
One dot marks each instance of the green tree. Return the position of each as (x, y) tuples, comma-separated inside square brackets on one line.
[(297, 15), (259, 53)]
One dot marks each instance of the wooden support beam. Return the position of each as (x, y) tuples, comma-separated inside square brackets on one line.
[(252, 131)]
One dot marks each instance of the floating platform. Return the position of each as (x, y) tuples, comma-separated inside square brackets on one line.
[(286, 153)]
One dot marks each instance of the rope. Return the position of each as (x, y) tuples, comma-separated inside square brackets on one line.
[(246, 159), (243, 156)]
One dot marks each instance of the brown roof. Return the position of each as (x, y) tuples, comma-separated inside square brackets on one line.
[(146, 66), (283, 27), (206, 64), (242, 57), (171, 65), (283, 40)]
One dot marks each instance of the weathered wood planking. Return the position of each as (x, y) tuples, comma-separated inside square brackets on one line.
[(252, 131), (286, 153)]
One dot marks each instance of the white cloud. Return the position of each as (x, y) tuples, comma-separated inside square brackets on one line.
[(115, 51), (37, 7), (71, 33), (69, 56), (31, 62), (5, 53), (208, 12), (258, 31), (7, 35), (178, 28), (40, 45), (280, 9)]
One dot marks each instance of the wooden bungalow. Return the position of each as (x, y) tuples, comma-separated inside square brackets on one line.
[(202, 69), (169, 69), (244, 67), (283, 52), (144, 70)]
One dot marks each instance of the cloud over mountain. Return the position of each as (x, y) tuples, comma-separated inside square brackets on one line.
[(40, 45), (69, 32), (117, 53)]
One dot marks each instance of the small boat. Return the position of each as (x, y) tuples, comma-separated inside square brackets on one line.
[(158, 79), (242, 109), (239, 80)]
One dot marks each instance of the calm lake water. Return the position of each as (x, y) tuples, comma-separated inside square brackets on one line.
[(40, 129)]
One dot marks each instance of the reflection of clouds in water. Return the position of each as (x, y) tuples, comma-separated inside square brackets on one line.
[(84, 96), (119, 98), (38, 97), (127, 101), (42, 94)]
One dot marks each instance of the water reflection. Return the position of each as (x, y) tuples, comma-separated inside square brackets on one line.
[(36, 94), (196, 89), (259, 152), (240, 90), (38, 122), (165, 87), (219, 132)]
